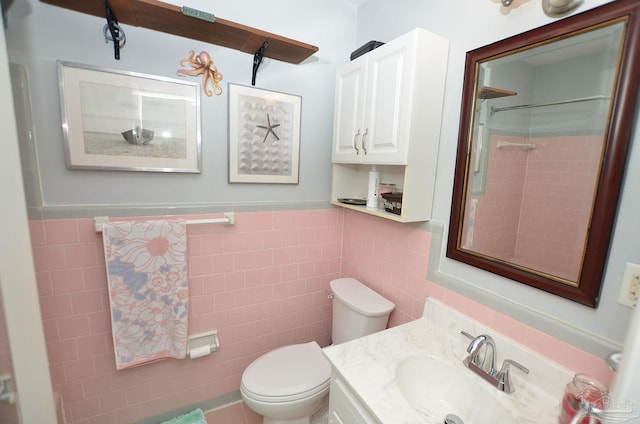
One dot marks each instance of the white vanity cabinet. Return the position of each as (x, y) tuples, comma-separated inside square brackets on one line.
[(344, 406), (388, 111)]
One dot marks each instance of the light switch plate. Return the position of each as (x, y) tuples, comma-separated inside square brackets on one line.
[(630, 289)]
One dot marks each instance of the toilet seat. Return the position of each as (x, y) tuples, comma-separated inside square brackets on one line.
[(287, 374)]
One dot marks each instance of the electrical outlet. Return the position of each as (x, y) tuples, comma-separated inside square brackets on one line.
[(630, 290)]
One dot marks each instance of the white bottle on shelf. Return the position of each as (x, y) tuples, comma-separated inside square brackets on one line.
[(372, 192)]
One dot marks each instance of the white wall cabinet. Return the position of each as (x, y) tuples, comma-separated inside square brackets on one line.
[(388, 112), (345, 407), (371, 105)]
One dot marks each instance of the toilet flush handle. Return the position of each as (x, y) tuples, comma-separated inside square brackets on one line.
[(330, 295)]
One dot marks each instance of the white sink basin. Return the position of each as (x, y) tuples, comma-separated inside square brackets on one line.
[(437, 389)]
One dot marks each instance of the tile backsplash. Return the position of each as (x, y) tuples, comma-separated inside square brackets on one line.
[(548, 376)]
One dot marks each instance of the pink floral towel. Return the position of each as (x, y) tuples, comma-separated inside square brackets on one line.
[(148, 289)]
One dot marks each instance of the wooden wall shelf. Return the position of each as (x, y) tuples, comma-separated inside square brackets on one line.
[(165, 17)]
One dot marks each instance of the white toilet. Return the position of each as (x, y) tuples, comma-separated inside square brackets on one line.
[(288, 385)]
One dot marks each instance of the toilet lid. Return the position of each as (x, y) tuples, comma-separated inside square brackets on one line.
[(289, 372), (360, 298)]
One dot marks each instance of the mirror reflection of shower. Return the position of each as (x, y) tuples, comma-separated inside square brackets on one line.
[(537, 139), (481, 151)]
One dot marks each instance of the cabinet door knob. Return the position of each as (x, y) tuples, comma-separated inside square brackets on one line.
[(355, 142), (364, 137)]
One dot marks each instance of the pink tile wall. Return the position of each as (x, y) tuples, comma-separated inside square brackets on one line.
[(262, 283), (562, 173), (392, 259), (498, 209), (534, 211), (556, 350)]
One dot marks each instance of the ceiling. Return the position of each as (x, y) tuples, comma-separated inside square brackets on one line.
[(356, 3)]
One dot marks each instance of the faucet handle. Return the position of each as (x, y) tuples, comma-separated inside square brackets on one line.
[(504, 382), (467, 335)]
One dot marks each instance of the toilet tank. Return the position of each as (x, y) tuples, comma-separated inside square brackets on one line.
[(357, 310)]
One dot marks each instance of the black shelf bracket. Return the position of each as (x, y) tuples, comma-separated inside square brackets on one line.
[(116, 34), (257, 60)]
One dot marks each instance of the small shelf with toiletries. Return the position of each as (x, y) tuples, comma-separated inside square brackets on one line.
[(388, 111), (351, 181)]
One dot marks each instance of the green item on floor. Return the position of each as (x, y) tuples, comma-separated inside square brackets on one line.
[(194, 417)]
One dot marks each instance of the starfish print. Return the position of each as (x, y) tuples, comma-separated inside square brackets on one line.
[(269, 129)]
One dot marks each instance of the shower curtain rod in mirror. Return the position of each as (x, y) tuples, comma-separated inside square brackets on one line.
[(495, 110)]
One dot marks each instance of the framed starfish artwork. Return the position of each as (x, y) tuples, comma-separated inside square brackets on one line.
[(264, 136)]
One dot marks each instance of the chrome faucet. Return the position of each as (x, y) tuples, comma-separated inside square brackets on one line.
[(485, 365), (488, 361)]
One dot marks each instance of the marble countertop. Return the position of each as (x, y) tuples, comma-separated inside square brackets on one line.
[(368, 366)]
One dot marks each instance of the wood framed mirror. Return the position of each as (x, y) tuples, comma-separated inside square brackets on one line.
[(545, 127)]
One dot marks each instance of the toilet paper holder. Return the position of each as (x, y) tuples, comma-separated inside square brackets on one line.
[(203, 344)]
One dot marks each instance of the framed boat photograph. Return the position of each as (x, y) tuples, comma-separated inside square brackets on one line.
[(264, 136), (127, 121)]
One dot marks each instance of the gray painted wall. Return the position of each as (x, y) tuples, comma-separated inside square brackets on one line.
[(39, 34), (468, 25)]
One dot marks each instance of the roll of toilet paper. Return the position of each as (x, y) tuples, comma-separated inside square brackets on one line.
[(199, 351)]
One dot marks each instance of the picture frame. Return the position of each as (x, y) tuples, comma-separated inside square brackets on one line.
[(126, 121), (264, 136)]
